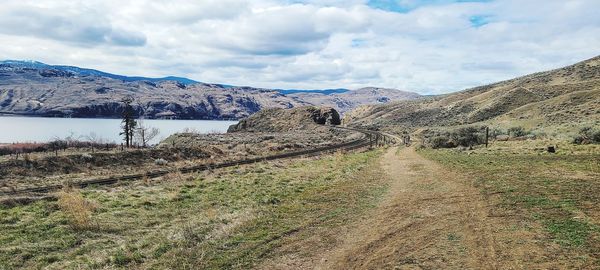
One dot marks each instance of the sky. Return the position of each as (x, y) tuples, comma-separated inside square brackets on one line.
[(429, 47)]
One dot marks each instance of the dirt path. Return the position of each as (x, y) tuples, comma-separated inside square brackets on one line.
[(430, 219)]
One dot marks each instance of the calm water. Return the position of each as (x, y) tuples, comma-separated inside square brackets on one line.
[(39, 129)]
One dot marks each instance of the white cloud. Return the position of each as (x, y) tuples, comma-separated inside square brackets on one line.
[(306, 44)]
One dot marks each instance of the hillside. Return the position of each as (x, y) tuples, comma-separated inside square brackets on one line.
[(344, 101), (561, 97), (283, 120), (34, 88)]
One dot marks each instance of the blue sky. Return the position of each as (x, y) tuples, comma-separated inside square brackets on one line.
[(404, 6), (429, 47)]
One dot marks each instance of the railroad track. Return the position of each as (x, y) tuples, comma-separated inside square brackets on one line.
[(370, 138)]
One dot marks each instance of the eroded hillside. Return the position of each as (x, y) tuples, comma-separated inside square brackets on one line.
[(52, 92)]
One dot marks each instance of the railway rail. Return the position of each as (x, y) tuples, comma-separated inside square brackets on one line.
[(369, 139)]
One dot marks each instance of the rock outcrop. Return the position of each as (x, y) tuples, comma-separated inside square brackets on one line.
[(283, 120)]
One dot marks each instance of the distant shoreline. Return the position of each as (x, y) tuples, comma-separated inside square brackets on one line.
[(9, 114)]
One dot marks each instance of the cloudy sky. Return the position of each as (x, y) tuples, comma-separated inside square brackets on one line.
[(430, 47)]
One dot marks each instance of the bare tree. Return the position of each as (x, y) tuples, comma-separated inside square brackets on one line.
[(72, 138), (94, 140), (145, 134)]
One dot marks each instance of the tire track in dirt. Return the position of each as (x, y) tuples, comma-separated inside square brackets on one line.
[(430, 219)]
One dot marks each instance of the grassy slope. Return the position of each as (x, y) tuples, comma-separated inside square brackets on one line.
[(227, 219), (557, 193), (554, 99)]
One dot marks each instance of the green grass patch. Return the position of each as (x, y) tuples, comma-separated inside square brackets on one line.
[(232, 218), (559, 192)]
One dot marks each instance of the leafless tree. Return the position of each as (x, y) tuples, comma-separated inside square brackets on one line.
[(72, 138), (94, 138), (144, 133)]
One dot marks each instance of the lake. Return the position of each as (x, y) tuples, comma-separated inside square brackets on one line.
[(40, 129)]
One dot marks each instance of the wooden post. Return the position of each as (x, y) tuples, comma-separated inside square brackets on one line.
[(487, 134)]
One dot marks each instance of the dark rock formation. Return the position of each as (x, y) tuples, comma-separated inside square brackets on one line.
[(325, 116)]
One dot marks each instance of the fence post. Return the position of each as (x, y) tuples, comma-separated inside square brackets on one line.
[(487, 134)]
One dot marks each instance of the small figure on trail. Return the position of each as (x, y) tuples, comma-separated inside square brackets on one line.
[(406, 139)]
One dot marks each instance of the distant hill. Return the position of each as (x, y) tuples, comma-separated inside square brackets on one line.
[(90, 72), (38, 89), (316, 91), (64, 93), (344, 101), (563, 97)]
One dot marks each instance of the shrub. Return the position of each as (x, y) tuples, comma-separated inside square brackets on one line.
[(596, 137), (587, 135), (466, 136), (440, 142), (160, 161), (517, 132), (77, 209)]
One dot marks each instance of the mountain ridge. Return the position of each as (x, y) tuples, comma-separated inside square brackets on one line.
[(93, 72), (37, 89)]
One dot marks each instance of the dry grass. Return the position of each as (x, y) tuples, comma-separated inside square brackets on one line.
[(542, 101), (231, 218), (76, 208)]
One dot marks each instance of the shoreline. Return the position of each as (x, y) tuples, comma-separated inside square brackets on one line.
[(7, 114)]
